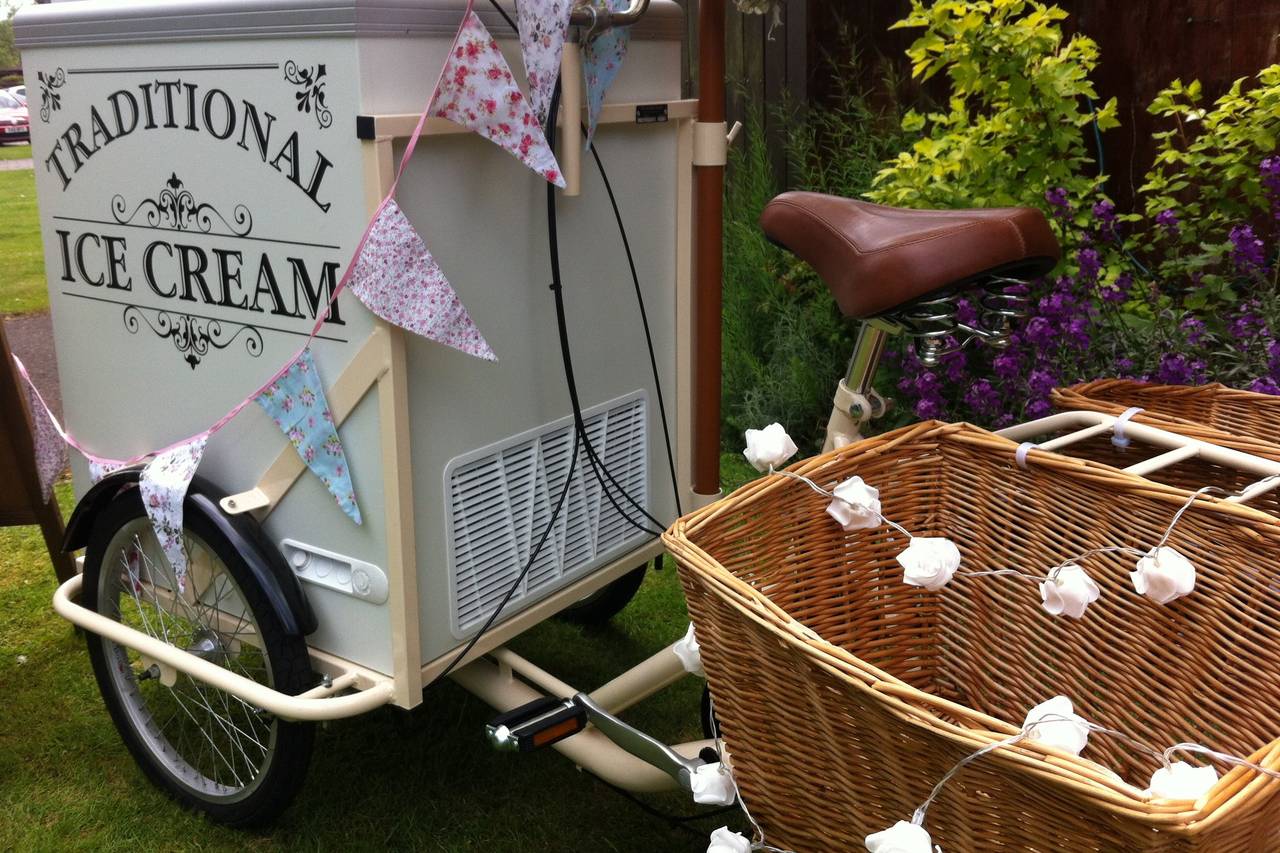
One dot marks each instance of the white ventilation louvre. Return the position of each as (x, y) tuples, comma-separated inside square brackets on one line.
[(499, 500)]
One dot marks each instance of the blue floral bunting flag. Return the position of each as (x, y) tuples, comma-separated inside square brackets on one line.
[(601, 60), (297, 404)]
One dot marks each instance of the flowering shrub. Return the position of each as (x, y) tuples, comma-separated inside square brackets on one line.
[(1182, 291)]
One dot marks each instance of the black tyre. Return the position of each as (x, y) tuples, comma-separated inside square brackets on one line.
[(606, 602), (206, 748)]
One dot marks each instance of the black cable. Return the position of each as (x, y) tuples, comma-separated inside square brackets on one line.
[(533, 555), (644, 319), (553, 245)]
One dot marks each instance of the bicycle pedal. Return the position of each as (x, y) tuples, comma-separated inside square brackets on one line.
[(539, 723)]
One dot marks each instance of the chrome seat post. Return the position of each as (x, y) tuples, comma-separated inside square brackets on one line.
[(935, 330)]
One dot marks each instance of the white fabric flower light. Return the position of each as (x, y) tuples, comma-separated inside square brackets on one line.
[(1069, 593), (1064, 729), (1164, 575), (769, 447), (689, 652), (724, 841), (1182, 781), (856, 505), (712, 785), (930, 562), (902, 837)]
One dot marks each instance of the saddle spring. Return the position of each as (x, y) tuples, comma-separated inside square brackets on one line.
[(936, 329)]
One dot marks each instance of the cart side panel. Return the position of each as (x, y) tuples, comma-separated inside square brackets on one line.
[(185, 265)]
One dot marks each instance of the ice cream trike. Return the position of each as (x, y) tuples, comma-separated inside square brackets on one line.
[(205, 170)]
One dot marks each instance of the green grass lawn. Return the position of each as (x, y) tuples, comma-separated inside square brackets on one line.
[(425, 780), (22, 284), (15, 152)]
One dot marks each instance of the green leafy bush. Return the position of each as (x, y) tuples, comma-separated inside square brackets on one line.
[(1011, 128)]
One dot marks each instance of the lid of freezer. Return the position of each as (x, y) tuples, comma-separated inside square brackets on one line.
[(134, 21)]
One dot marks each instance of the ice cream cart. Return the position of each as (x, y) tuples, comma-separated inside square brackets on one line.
[(204, 170)]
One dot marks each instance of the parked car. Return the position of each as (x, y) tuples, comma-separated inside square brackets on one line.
[(15, 124), (19, 92)]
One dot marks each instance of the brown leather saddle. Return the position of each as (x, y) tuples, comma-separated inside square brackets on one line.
[(876, 258)]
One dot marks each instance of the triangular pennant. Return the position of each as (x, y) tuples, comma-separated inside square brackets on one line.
[(543, 25), (296, 403), (164, 485), (601, 60), (100, 466), (478, 91), (398, 279), (51, 449)]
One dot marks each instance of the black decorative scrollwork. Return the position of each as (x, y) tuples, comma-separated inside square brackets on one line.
[(310, 96), (192, 336), (175, 207), (50, 99)]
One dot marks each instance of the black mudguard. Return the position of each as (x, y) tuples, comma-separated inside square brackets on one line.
[(281, 586)]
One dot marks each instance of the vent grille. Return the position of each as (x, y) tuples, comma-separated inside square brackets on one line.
[(500, 498)]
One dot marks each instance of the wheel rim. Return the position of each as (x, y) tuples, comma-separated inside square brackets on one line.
[(207, 740)]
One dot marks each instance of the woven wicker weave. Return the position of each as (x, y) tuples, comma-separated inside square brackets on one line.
[(843, 694), (1241, 420)]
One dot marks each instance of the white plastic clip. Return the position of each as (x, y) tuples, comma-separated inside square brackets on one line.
[(1020, 455), (1118, 438)]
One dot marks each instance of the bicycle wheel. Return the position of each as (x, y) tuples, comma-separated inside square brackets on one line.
[(206, 748), (607, 602)]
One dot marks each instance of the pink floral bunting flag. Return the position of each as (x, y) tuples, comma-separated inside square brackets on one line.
[(51, 450), (478, 91), (164, 485), (601, 61), (296, 403), (543, 25), (100, 467), (398, 279)]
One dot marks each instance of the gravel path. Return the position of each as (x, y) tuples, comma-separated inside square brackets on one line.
[(31, 338)]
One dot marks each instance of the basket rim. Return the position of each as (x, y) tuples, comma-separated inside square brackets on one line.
[(1234, 790)]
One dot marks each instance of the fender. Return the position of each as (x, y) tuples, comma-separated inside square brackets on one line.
[(281, 586)]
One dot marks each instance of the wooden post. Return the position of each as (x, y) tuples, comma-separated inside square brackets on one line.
[(25, 504), (709, 242)]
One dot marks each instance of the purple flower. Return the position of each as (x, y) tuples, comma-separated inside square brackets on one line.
[(1105, 214), (954, 363), (1040, 332), (1194, 328), (1124, 367), (1060, 207), (1247, 323), (982, 397), (1270, 171), (1264, 385), (929, 408), (1176, 369), (1041, 382), (1007, 365), (1038, 408), (1077, 332), (1247, 251), (1089, 263), (966, 312), (1168, 220)]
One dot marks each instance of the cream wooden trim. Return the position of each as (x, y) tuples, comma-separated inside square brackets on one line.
[(570, 155), (397, 467), (684, 312), (401, 125)]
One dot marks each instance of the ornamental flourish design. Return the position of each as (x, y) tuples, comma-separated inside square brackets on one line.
[(175, 207), (50, 99), (192, 336), (310, 95)]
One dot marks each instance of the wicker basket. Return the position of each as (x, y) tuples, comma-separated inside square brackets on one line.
[(1242, 420), (843, 694)]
